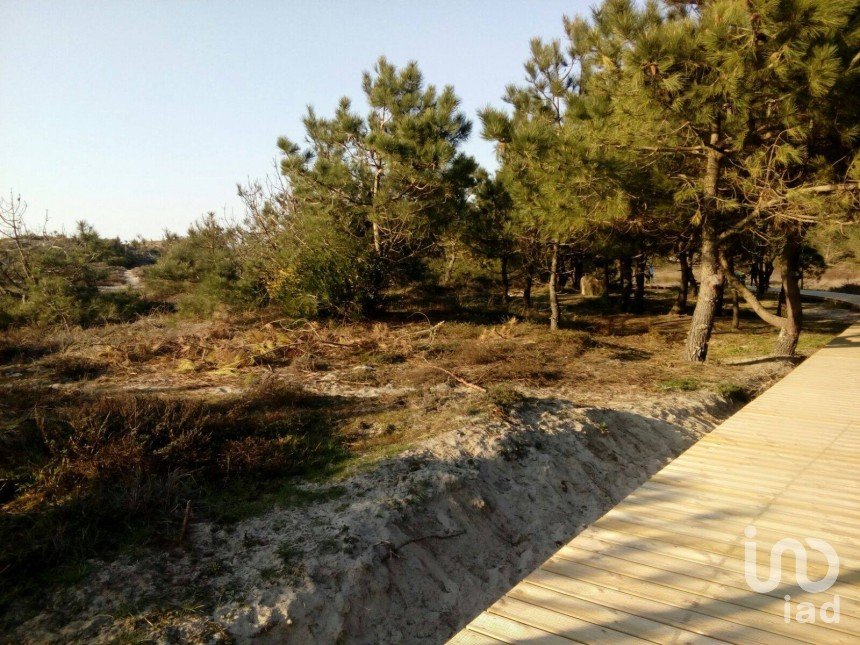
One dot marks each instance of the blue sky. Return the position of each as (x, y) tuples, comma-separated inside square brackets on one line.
[(140, 116)]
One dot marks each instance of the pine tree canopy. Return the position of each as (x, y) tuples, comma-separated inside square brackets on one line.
[(395, 177)]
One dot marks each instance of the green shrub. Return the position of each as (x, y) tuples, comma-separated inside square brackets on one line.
[(734, 392), (680, 384), (313, 268), (505, 397), (54, 279), (201, 272)]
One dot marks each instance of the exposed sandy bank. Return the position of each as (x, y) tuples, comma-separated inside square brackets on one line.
[(406, 553)]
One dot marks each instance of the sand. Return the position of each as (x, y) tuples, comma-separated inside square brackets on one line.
[(406, 553)]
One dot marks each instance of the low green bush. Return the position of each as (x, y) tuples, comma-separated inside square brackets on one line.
[(680, 384)]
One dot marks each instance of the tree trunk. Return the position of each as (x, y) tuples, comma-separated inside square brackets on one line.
[(736, 311), (789, 267), (626, 266), (577, 275), (736, 307), (639, 292), (506, 281), (721, 297), (684, 286), (694, 286), (607, 278), (702, 323), (761, 311), (721, 291), (765, 270), (553, 288), (780, 300), (377, 240), (449, 264), (563, 276), (527, 289), (377, 237)]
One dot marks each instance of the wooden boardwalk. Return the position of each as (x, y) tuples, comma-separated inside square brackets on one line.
[(667, 565), (849, 298)]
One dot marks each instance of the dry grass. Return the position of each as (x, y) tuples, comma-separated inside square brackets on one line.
[(105, 432), (84, 471)]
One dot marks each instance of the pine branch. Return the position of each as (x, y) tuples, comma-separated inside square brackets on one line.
[(821, 189)]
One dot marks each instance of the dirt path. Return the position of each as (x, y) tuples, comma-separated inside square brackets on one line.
[(131, 280)]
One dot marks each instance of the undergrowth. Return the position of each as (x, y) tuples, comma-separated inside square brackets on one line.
[(90, 468), (86, 473)]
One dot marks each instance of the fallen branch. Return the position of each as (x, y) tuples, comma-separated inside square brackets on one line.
[(186, 521), (430, 330), (459, 379), (391, 549)]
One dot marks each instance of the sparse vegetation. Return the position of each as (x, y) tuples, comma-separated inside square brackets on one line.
[(108, 431), (734, 392), (89, 470), (383, 289), (505, 397), (680, 384)]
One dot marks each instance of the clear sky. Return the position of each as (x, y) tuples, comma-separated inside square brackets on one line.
[(142, 115)]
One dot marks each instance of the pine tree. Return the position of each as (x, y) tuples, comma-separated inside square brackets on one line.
[(794, 166), (733, 87), (388, 183), (560, 182), (489, 230)]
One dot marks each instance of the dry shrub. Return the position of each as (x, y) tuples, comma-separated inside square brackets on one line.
[(521, 353), (103, 465), (311, 362), (505, 397), (17, 349), (485, 353), (266, 455), (72, 367), (147, 349), (423, 375)]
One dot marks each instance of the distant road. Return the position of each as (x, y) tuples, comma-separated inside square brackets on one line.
[(131, 281), (850, 298)]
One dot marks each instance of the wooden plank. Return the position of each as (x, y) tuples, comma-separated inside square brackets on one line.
[(469, 637), (655, 602), (691, 487), (560, 625), (597, 550), (511, 631), (736, 592), (716, 547), (698, 561), (844, 502), (718, 541), (599, 614), (772, 519), (779, 507)]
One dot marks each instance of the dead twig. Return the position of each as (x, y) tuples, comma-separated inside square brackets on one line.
[(183, 534), (430, 330), (459, 379), (391, 549)]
